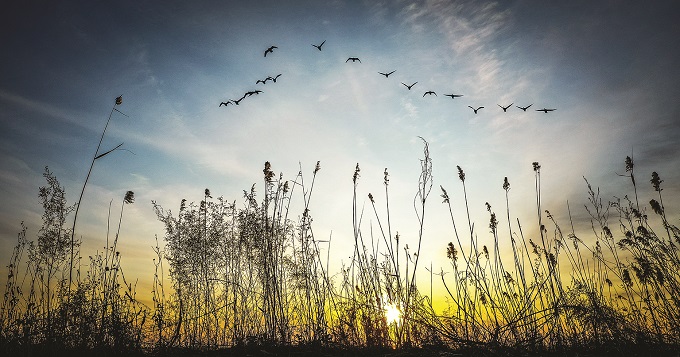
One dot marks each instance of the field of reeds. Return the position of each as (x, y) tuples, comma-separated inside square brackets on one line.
[(249, 276)]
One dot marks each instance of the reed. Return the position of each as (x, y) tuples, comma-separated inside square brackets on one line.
[(252, 275)]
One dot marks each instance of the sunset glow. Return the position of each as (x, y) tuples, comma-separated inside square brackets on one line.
[(459, 173), (392, 313)]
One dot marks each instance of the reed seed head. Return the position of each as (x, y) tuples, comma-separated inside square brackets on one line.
[(268, 173), (451, 252), (506, 184), (656, 182), (493, 222), (656, 207), (119, 100), (625, 276), (461, 174), (444, 194), (629, 164), (129, 197)]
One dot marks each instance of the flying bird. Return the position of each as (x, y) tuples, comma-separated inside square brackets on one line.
[(263, 81), (253, 92), (274, 78), (237, 102), (505, 109), (525, 108), (475, 109), (353, 59), (387, 74), (225, 103), (318, 47), (454, 96), (545, 110), (409, 86), (269, 50), (429, 93)]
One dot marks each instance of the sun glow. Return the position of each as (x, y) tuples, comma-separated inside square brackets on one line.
[(392, 313)]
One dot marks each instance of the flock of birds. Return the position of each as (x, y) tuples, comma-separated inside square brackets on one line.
[(271, 49)]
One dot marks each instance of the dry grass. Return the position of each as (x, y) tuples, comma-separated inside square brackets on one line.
[(250, 277)]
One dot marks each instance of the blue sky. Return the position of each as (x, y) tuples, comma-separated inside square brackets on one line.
[(609, 68)]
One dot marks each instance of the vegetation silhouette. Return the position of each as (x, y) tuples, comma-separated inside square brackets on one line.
[(248, 278)]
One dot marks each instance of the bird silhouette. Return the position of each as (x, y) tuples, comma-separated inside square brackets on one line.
[(545, 110), (525, 108), (409, 86), (387, 74), (429, 93), (353, 59), (318, 47), (237, 102), (505, 109), (263, 81), (249, 93), (453, 96), (274, 78), (269, 50), (475, 109), (225, 103)]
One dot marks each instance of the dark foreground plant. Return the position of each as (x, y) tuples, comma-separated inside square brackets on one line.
[(253, 276)]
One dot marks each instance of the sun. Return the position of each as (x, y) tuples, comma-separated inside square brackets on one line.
[(392, 313)]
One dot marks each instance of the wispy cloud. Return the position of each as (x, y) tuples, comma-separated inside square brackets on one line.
[(43, 108)]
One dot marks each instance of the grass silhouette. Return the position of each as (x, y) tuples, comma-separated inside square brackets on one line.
[(249, 279)]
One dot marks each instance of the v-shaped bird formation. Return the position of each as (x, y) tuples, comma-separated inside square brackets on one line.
[(270, 51)]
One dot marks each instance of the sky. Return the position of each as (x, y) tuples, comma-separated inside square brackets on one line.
[(609, 68)]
